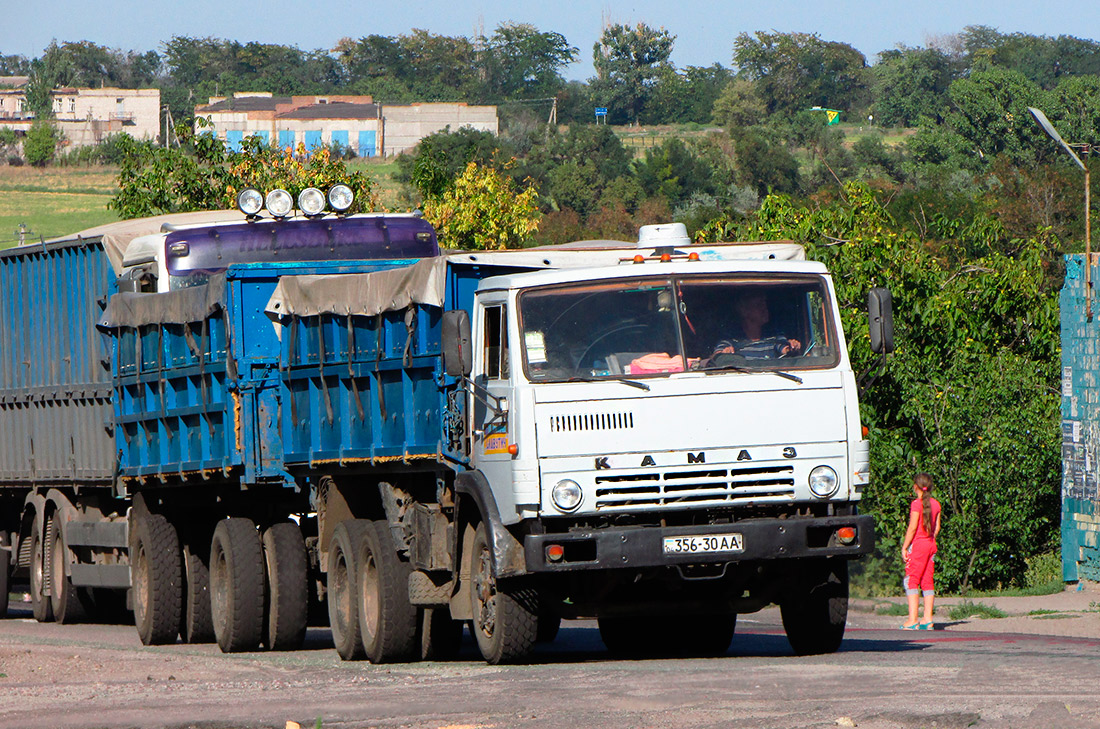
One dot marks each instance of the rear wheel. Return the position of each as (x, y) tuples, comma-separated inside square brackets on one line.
[(156, 579), (506, 621), (198, 623), (5, 573), (440, 635), (343, 592), (287, 599), (387, 621), (237, 585), (815, 610), (69, 605), (40, 601)]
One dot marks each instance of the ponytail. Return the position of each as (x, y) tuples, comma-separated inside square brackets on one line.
[(923, 482)]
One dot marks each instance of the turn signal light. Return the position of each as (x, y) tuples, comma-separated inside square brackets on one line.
[(555, 552), (666, 257), (513, 449), (639, 258), (846, 535), (693, 256)]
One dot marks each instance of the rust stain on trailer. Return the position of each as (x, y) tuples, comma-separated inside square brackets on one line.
[(237, 427)]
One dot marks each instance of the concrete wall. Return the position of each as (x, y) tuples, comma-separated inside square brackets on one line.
[(248, 124), (1080, 425), (88, 116), (407, 124)]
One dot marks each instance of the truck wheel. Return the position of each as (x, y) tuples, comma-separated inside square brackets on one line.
[(40, 601), (287, 599), (387, 621), (628, 636), (440, 635), (343, 593), (67, 602), (5, 573), (198, 623), (237, 585), (704, 636), (506, 618), (816, 610), (156, 577), (549, 625)]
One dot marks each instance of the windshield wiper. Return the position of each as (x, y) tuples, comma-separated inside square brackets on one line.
[(632, 383), (739, 368)]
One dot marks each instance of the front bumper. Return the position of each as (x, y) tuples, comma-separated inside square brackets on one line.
[(642, 546)]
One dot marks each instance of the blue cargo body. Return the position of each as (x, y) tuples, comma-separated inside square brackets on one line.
[(55, 387)]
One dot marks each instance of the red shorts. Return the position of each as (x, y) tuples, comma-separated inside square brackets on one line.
[(919, 568)]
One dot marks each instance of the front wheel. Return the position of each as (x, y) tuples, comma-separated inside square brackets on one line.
[(506, 619), (815, 609)]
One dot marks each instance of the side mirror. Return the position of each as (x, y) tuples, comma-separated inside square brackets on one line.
[(458, 355), (880, 315)]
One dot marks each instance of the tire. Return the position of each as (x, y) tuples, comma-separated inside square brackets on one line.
[(816, 610), (342, 588), (505, 622), (440, 635), (156, 576), (628, 636), (705, 636), (5, 573), (287, 579), (237, 585), (549, 625), (198, 621), (387, 621), (40, 601), (68, 604)]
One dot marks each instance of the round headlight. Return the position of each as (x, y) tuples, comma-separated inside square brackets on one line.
[(567, 495), (250, 201), (279, 203), (340, 197), (823, 482), (311, 201)]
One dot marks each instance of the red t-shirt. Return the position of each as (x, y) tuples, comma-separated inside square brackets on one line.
[(918, 508)]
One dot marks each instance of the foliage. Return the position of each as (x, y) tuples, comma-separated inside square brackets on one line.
[(911, 84), (483, 210), (628, 62), (440, 157), (203, 175), (739, 105), (685, 96), (967, 609), (991, 114), (40, 144)]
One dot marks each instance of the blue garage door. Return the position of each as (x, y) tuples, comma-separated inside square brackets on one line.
[(264, 137), (286, 138), (368, 143), (233, 140), (313, 139), (340, 137)]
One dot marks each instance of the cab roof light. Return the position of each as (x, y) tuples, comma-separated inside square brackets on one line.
[(279, 203), (340, 197), (250, 201), (311, 201)]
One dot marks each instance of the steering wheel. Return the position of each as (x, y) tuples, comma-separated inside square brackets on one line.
[(616, 330)]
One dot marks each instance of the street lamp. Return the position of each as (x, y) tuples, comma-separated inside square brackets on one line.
[(1053, 134)]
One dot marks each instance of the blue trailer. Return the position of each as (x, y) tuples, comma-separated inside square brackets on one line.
[(328, 409)]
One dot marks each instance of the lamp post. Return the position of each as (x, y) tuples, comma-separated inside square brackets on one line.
[(1086, 148)]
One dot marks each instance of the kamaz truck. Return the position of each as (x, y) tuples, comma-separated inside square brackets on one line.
[(234, 423)]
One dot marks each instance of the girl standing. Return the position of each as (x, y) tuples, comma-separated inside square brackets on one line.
[(919, 549)]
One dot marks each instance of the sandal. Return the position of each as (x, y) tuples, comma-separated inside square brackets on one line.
[(914, 626), (927, 626)]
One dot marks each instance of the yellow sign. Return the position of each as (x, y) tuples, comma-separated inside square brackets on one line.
[(496, 444)]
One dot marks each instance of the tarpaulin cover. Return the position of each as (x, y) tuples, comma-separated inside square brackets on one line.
[(360, 294), (184, 306)]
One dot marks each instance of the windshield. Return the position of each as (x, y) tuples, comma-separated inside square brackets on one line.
[(655, 326)]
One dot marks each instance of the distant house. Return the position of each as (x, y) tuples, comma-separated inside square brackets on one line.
[(355, 122), (85, 117)]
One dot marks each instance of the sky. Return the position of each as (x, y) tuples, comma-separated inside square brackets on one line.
[(704, 31)]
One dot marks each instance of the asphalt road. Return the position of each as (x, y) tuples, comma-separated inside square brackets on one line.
[(100, 676)]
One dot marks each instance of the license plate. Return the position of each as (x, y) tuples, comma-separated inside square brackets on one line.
[(704, 544)]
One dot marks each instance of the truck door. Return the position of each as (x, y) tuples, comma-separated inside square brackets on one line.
[(492, 428)]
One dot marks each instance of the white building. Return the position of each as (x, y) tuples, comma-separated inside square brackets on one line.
[(85, 116)]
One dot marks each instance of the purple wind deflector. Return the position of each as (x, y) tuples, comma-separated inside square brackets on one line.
[(211, 249)]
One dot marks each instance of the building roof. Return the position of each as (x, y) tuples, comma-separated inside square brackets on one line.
[(334, 110), (246, 103), (14, 82)]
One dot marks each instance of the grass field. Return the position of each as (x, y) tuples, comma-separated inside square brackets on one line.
[(54, 201)]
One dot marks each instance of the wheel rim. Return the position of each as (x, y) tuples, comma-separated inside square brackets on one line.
[(485, 592), (341, 595), (219, 585), (57, 565), (371, 597), (36, 566), (140, 582)]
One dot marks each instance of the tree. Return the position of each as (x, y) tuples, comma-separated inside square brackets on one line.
[(484, 211), (442, 156), (911, 84), (628, 62), (520, 62), (687, 95), (40, 144), (991, 113), (794, 71), (739, 105), (764, 162)]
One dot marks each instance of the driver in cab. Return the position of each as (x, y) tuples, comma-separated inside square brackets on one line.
[(754, 339)]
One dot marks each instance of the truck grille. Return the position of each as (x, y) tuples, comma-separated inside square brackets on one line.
[(703, 487)]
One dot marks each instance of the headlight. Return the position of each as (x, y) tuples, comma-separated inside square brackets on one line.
[(279, 203), (311, 201), (340, 197), (249, 201), (567, 495), (823, 482)]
